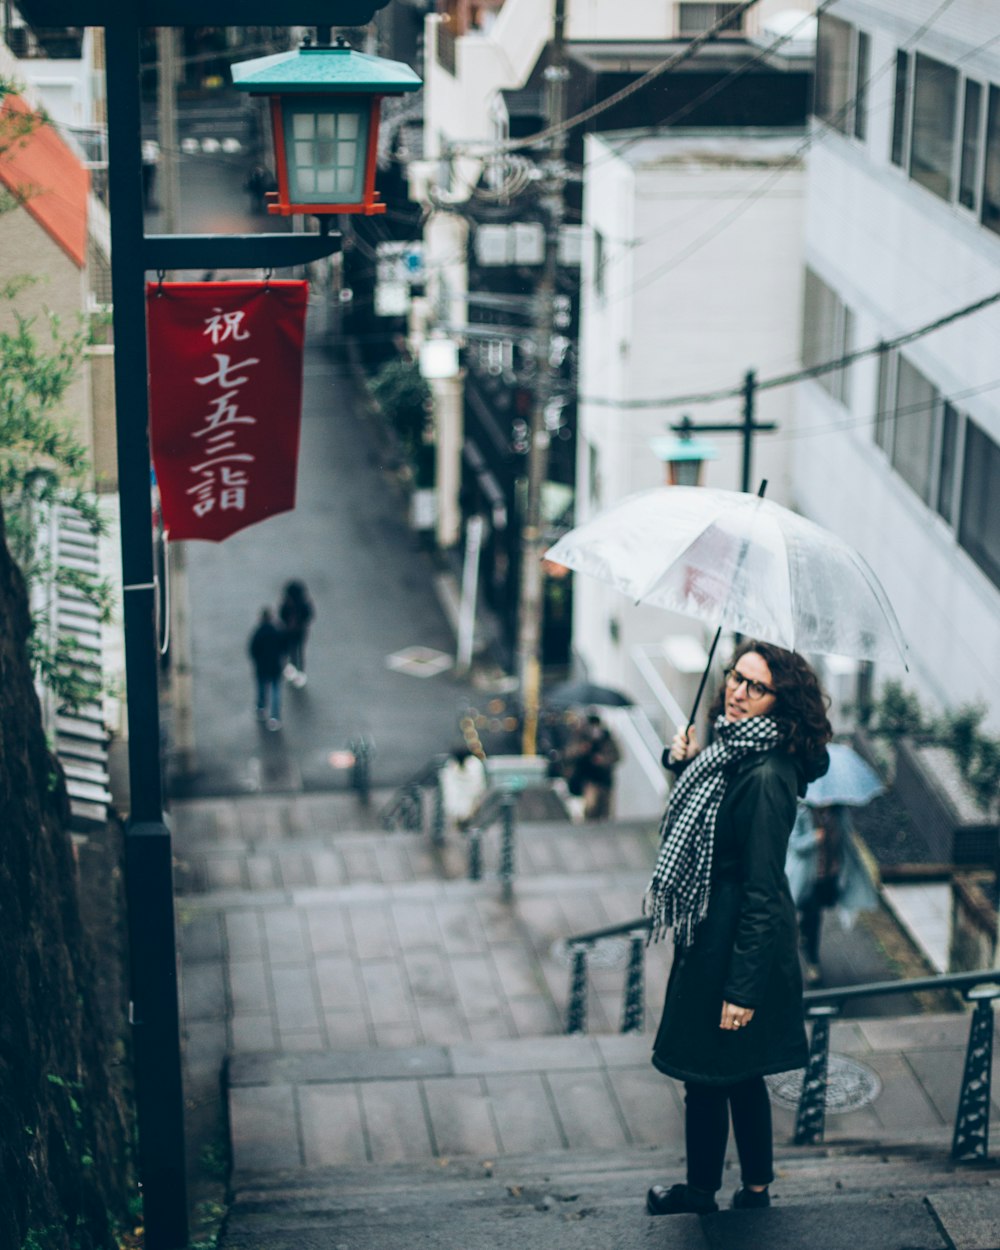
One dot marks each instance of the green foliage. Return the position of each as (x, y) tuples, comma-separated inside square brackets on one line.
[(42, 463), (898, 712), (405, 398)]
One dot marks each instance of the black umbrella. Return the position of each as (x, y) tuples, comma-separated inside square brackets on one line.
[(584, 693)]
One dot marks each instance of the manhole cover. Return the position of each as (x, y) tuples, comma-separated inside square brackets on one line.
[(419, 661), (849, 1085), (609, 952)]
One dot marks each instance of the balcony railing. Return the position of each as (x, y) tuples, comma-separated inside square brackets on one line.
[(970, 1139)]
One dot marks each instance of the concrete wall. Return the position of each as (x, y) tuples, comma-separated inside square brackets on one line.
[(702, 280), (899, 257)]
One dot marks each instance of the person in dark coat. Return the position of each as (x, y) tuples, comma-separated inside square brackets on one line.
[(296, 612), (733, 1011), (267, 653)]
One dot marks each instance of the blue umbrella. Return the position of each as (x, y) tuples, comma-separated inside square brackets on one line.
[(850, 780)]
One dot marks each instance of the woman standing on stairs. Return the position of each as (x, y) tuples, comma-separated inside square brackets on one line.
[(733, 1010)]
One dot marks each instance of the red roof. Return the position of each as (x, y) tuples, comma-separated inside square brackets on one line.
[(48, 173)]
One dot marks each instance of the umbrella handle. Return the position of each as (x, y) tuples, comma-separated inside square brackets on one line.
[(715, 642)]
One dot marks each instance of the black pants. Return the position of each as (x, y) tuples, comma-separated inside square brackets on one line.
[(706, 1131), (822, 895)]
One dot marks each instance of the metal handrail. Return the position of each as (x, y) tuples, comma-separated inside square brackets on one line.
[(970, 1140), (405, 807)]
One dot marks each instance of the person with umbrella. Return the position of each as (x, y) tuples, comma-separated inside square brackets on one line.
[(733, 1010), (824, 866)]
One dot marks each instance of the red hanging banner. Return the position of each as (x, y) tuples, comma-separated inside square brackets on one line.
[(225, 397)]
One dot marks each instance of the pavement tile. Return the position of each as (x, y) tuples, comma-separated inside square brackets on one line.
[(262, 820), (253, 1033), (393, 862), (346, 1030), (328, 868), (339, 984), (244, 937), (460, 1118), (516, 972), (264, 1128), (587, 1110), (442, 1024), (385, 992), (292, 1040), (203, 991), (940, 1075), (395, 1120), (416, 925), (523, 1113), (398, 1035), (499, 921), (373, 932), (929, 1031), (224, 872), (248, 987), (332, 1125), (204, 1048), (894, 1224), (295, 1004), (262, 872), (360, 863), (624, 1050), (284, 936), (200, 937), (295, 869), (327, 930), (651, 1109), (533, 1017), (460, 929), (903, 1102), (431, 978)]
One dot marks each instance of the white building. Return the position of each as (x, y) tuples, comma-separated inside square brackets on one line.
[(693, 276), (902, 454)]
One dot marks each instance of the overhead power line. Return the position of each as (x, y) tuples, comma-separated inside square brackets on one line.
[(800, 375)]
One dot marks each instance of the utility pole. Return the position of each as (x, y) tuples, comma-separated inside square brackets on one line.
[(747, 427), (531, 603)]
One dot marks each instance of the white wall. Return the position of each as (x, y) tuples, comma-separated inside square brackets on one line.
[(899, 257), (702, 281)]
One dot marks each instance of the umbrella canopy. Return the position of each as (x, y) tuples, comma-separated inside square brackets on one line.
[(738, 562), (850, 780), (584, 693)]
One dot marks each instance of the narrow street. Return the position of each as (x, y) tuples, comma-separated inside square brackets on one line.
[(370, 579)]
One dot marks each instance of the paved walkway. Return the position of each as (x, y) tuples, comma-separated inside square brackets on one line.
[(375, 1006)]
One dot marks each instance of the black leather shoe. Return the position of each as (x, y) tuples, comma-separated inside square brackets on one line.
[(750, 1199), (679, 1200)]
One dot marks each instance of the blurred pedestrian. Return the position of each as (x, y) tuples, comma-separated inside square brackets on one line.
[(590, 757), (825, 869), (463, 785), (267, 651), (150, 162), (296, 612), (733, 1010)]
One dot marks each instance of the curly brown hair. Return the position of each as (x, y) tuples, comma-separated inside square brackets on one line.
[(799, 708)]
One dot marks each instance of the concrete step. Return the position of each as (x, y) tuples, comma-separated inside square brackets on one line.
[(822, 1199)]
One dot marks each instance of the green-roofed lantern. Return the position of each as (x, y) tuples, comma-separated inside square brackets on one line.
[(324, 117)]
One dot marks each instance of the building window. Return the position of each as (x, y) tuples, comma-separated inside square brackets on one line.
[(695, 19), (886, 389), (968, 175), (979, 526), (600, 262), (862, 64), (948, 460), (900, 108), (833, 72), (932, 142), (913, 435), (827, 334), (991, 175)]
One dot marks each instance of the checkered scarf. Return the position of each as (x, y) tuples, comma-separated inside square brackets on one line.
[(677, 895)]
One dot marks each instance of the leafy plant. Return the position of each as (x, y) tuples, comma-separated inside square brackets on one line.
[(404, 397), (898, 712)]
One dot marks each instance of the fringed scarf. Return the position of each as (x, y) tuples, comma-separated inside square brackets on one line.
[(677, 895)]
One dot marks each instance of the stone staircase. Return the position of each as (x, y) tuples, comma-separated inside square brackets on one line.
[(396, 1073)]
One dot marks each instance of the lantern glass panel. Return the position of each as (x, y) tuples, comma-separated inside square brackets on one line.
[(327, 144)]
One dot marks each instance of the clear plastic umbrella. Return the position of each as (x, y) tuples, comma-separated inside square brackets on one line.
[(850, 780), (739, 562)]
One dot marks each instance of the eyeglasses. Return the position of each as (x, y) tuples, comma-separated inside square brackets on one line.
[(755, 689)]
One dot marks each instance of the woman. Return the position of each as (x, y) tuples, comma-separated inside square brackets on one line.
[(296, 614), (733, 1010)]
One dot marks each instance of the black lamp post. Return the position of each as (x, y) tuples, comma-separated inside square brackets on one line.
[(148, 859)]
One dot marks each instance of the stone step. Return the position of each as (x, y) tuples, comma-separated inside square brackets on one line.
[(913, 1199)]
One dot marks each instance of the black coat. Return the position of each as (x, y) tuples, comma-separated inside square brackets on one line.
[(267, 648), (745, 951)]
